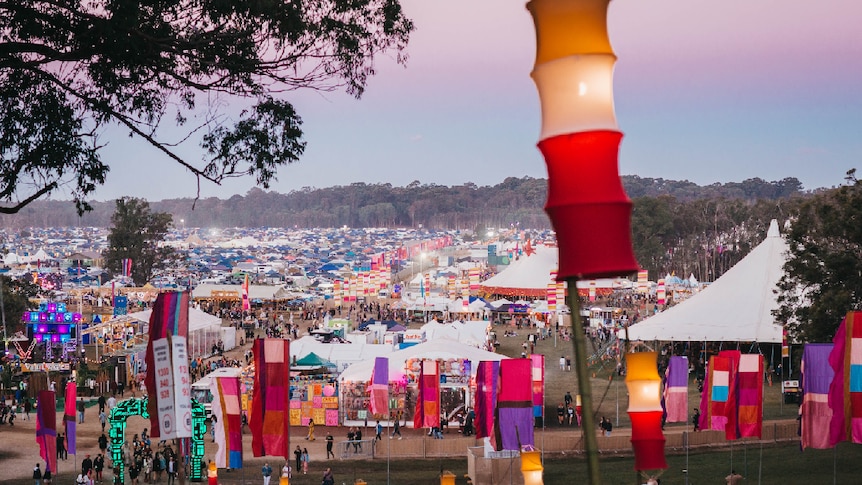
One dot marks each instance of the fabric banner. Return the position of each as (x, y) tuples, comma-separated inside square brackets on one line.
[(379, 388), (487, 375), (270, 419), (845, 392), (660, 293), (817, 375), (514, 419), (538, 381), (228, 421), (731, 407), (246, 302), (69, 418), (676, 390), (749, 405), (170, 317), (46, 429), (718, 393), (427, 413)]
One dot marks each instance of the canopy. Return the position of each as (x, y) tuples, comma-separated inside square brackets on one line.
[(313, 360), (736, 307)]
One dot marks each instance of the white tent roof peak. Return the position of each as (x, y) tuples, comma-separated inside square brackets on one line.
[(736, 307)]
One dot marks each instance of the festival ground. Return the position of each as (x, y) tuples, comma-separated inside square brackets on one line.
[(19, 451)]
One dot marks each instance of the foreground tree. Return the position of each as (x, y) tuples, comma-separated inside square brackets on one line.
[(135, 235), (68, 69), (16, 301), (823, 275)]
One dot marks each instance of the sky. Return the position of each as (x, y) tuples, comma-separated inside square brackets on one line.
[(705, 90)]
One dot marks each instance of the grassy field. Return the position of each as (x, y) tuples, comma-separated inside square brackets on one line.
[(771, 465)]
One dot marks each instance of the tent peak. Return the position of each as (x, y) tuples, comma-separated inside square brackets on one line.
[(773, 229)]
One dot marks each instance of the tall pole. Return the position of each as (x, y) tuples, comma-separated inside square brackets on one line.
[(588, 430), (3, 316)]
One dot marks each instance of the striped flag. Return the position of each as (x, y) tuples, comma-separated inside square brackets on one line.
[(127, 267), (816, 414), (270, 418), (246, 303), (845, 392), (749, 405), (69, 418), (718, 392), (676, 390), (379, 404), (46, 429), (228, 424), (538, 381), (428, 403), (487, 382)]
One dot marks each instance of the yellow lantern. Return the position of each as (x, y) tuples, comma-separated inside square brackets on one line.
[(644, 386), (531, 467)]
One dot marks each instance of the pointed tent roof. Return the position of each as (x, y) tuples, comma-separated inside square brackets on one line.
[(736, 307), (313, 359)]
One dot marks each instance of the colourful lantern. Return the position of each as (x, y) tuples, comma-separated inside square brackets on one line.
[(531, 467), (644, 386), (580, 138)]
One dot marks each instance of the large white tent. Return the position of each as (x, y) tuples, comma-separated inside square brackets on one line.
[(736, 307), (205, 330)]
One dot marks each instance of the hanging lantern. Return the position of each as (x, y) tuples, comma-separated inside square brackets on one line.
[(531, 467), (580, 138), (644, 386)]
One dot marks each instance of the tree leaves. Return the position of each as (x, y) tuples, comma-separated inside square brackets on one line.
[(135, 235)]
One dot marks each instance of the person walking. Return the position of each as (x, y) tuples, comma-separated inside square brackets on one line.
[(695, 419), (28, 406), (379, 429), (329, 442), (297, 453), (305, 459), (103, 420), (266, 471), (310, 435), (37, 475), (61, 447), (286, 471), (396, 429), (734, 478), (81, 408)]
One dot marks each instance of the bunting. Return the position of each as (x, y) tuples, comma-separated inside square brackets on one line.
[(69, 418), (379, 403), (750, 396), (487, 375), (228, 423), (816, 414), (845, 392), (246, 302), (676, 390), (46, 429), (428, 402), (270, 423), (514, 417)]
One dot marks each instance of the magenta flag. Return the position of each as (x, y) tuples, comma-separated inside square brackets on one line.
[(817, 375), (69, 417), (270, 412), (428, 402), (845, 392), (487, 375), (749, 404), (380, 387), (538, 379), (46, 429)]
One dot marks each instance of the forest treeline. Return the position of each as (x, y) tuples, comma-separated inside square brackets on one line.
[(677, 226)]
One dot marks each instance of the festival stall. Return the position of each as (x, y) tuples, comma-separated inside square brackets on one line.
[(457, 366), (204, 331)]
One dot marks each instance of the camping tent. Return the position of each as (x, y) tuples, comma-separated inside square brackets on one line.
[(736, 307)]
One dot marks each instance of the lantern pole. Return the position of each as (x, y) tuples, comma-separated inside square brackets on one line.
[(588, 421)]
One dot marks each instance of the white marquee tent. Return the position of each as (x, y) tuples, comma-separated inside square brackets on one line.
[(205, 330), (736, 307)]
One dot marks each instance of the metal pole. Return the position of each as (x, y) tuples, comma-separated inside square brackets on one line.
[(3, 316), (588, 430)]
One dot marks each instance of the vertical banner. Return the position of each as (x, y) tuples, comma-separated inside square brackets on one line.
[(379, 388), (182, 386), (474, 274), (428, 402), (46, 429), (552, 297), (514, 423), (845, 392), (246, 302), (660, 293), (676, 390), (816, 414), (717, 392), (643, 281), (169, 318), (749, 406), (487, 383), (69, 418), (538, 378), (228, 424), (270, 417)]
